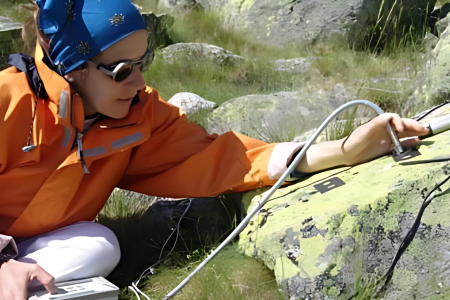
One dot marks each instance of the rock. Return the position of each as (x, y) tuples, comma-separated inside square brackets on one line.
[(336, 130), (277, 117), (295, 66), (140, 8), (217, 55), (157, 27), (321, 248), (191, 103), (286, 22), (437, 84), (10, 40), (178, 6), (305, 136), (436, 15), (442, 24), (430, 41)]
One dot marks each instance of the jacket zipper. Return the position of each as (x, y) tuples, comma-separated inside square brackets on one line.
[(80, 152)]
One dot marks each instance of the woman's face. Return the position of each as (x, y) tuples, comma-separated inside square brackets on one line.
[(100, 93)]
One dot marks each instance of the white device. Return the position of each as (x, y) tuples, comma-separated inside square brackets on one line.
[(97, 288), (437, 126)]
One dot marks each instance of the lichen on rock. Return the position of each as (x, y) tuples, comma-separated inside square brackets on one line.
[(326, 246)]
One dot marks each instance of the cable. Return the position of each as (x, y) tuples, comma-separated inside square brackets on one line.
[(280, 181), (429, 111), (140, 292), (411, 233), (134, 291), (406, 241), (150, 269)]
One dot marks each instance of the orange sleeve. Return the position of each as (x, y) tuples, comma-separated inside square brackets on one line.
[(181, 159)]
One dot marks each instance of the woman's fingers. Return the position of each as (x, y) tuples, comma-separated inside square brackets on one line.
[(414, 126), (397, 121), (404, 127), (410, 143), (406, 134)]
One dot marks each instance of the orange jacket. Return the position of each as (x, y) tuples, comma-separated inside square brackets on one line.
[(154, 150)]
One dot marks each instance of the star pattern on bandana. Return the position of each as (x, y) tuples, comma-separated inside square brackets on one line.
[(117, 19), (69, 8), (83, 48)]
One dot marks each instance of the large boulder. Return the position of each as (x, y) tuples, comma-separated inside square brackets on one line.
[(277, 117), (217, 55), (331, 244), (294, 65), (177, 6), (284, 22), (10, 39), (436, 85)]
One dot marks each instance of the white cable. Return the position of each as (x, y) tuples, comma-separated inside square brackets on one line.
[(280, 181), (132, 289), (140, 292)]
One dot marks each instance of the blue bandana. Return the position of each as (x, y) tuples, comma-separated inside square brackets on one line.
[(80, 29)]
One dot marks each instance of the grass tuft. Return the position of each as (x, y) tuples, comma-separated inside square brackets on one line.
[(228, 276)]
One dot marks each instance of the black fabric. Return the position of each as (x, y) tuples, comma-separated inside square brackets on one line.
[(4, 258), (27, 65)]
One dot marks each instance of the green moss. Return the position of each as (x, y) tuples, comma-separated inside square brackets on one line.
[(332, 292), (228, 276)]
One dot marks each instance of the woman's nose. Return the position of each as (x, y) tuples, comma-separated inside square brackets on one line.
[(136, 79)]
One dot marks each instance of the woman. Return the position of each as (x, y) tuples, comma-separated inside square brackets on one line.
[(82, 122)]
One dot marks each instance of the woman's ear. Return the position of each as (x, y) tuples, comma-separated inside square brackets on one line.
[(77, 75), (70, 77)]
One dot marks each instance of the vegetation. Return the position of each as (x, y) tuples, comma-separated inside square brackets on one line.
[(387, 77), (13, 9), (229, 276)]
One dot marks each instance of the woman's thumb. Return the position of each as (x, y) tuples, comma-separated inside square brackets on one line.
[(45, 279)]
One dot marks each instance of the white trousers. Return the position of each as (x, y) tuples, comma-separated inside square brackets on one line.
[(78, 251)]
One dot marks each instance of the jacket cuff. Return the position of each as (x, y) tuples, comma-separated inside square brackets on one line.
[(8, 246), (281, 158)]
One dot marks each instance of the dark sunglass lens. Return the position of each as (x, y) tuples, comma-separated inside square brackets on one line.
[(123, 73)]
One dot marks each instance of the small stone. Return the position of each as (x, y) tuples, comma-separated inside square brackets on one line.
[(190, 102)]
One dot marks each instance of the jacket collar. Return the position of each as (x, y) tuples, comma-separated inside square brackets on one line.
[(53, 82)]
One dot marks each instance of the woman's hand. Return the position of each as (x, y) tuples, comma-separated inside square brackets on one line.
[(15, 277), (372, 140), (367, 142)]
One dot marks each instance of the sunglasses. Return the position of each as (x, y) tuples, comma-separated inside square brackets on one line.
[(120, 71)]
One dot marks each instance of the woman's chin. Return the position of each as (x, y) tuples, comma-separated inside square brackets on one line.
[(118, 114)]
